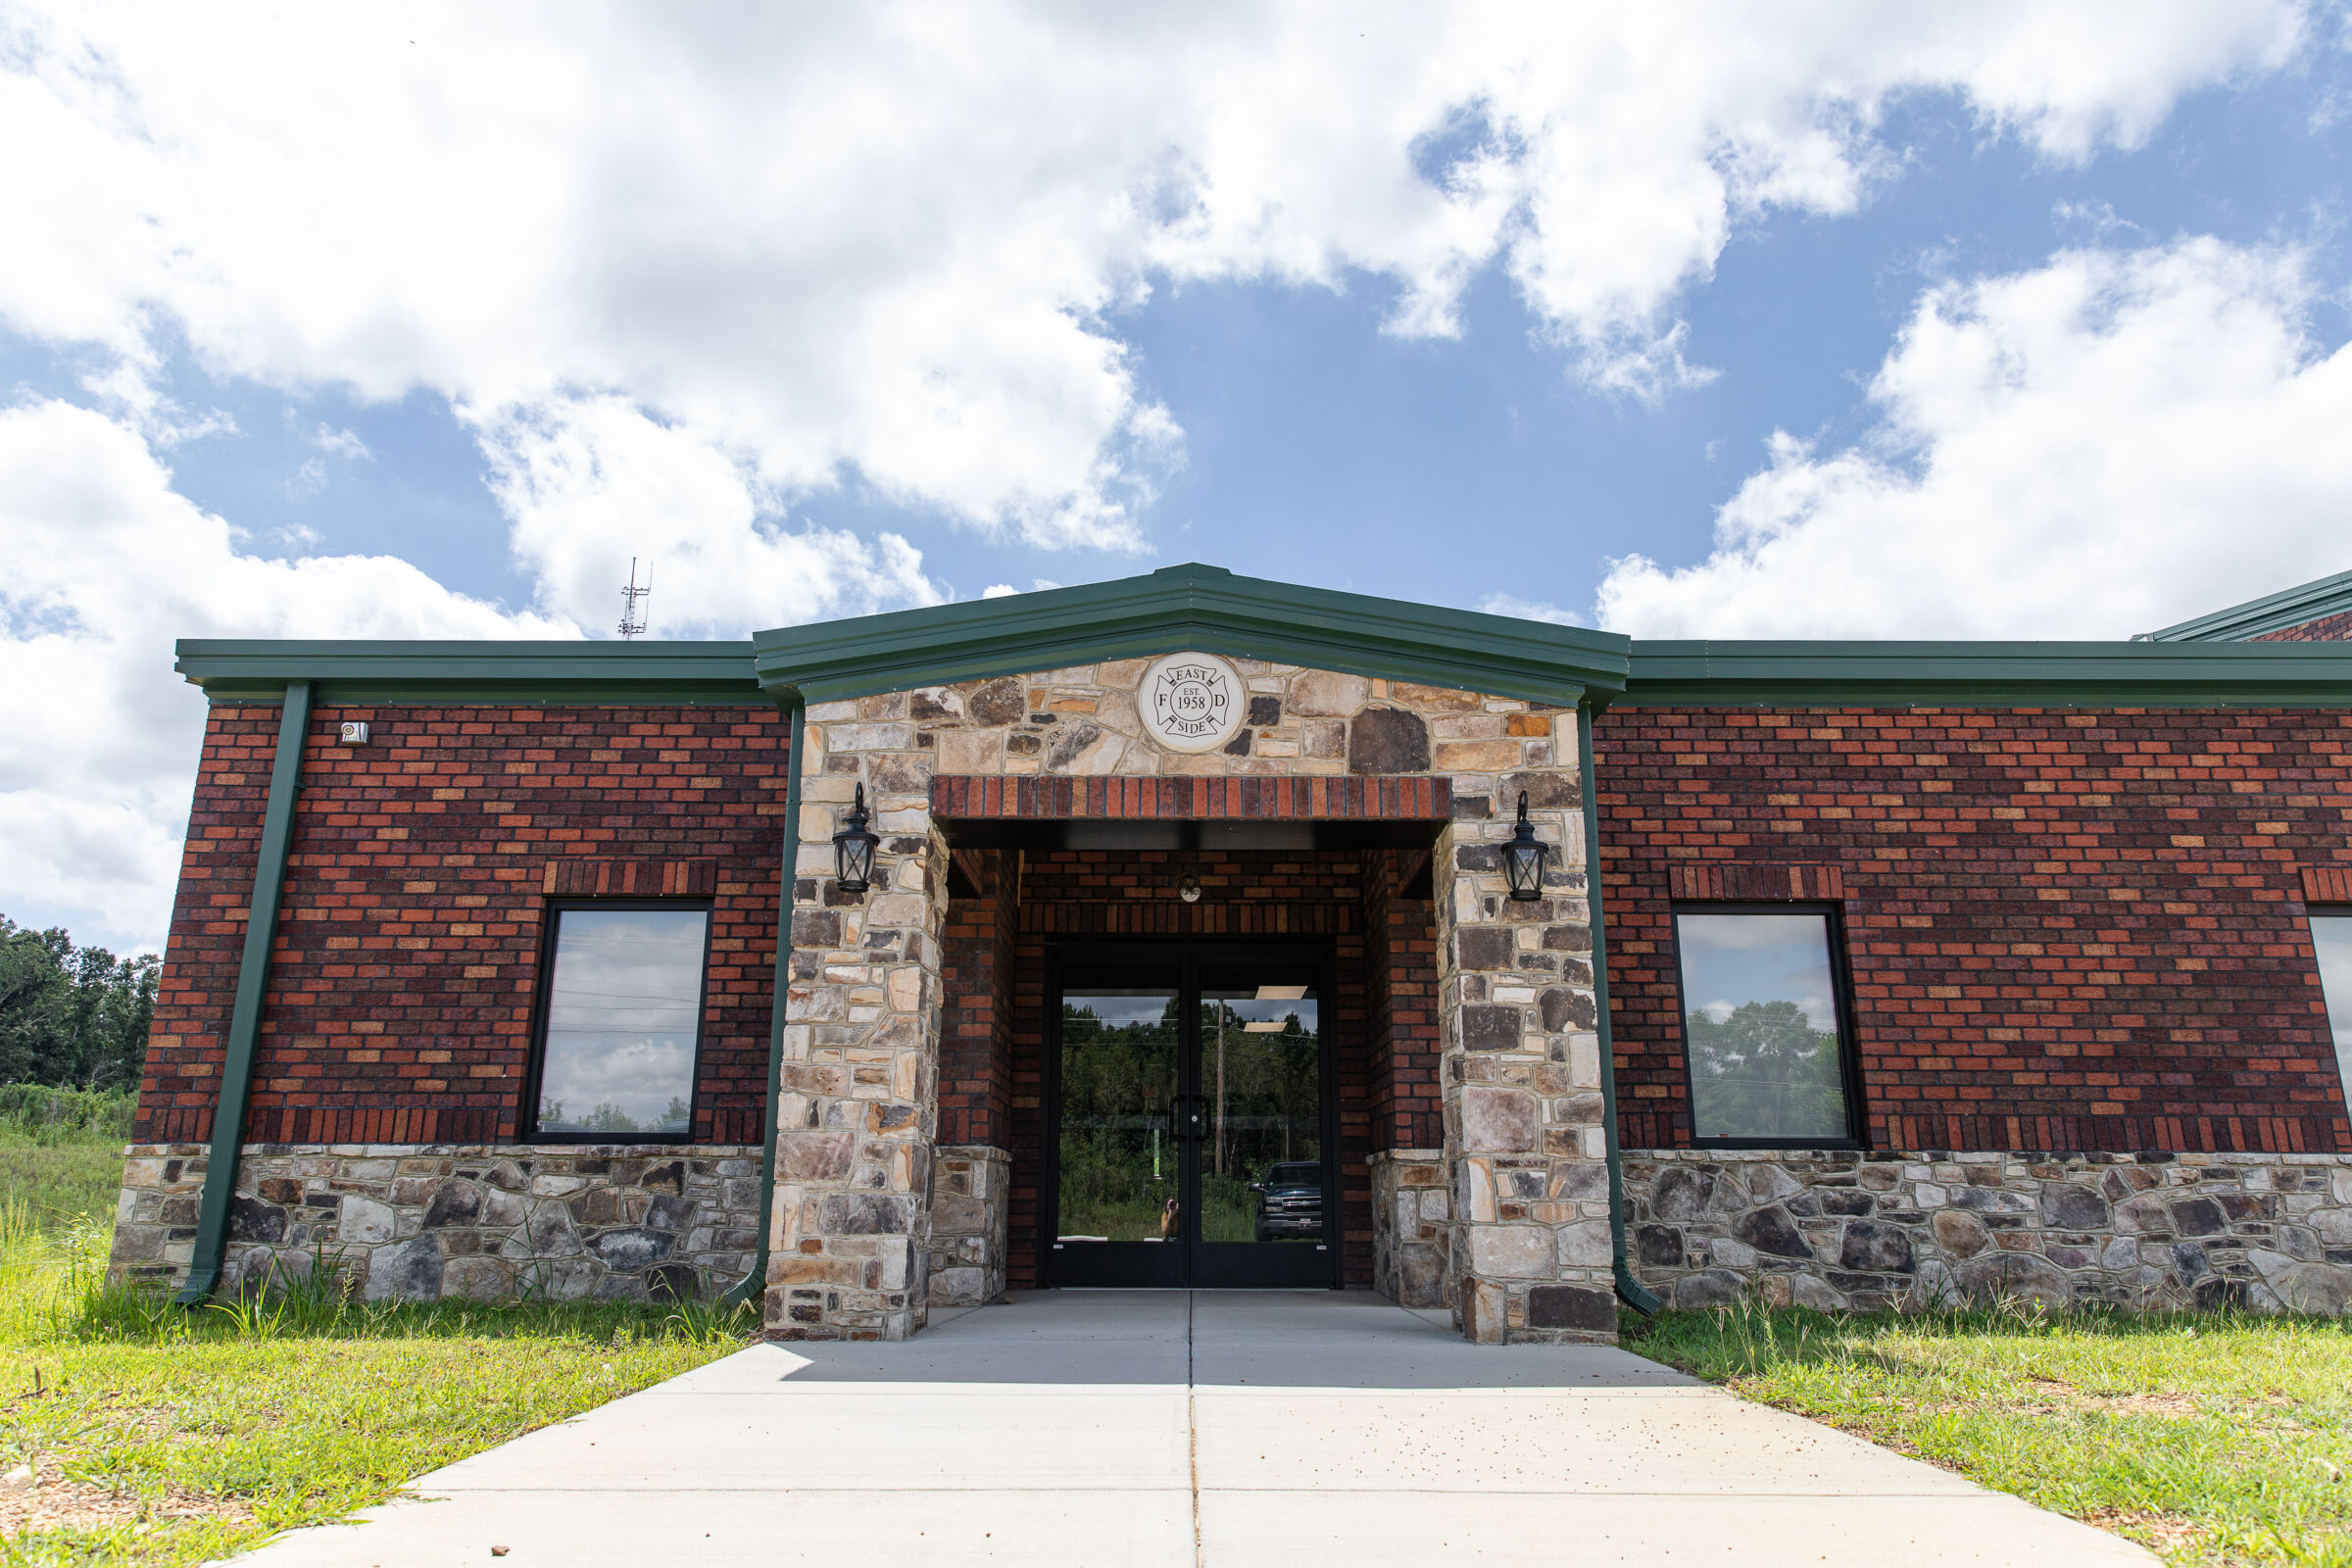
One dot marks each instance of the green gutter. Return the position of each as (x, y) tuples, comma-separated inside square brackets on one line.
[(1628, 1288), (253, 980), (754, 1285)]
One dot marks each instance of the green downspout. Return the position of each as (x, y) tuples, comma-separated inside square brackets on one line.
[(1628, 1288), (253, 980), (754, 1285)]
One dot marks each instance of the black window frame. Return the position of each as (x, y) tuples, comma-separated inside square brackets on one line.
[(1841, 987), (550, 929)]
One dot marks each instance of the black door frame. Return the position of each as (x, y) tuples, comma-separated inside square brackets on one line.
[(1203, 1265)]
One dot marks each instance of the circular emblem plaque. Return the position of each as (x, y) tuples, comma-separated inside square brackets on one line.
[(1191, 701)]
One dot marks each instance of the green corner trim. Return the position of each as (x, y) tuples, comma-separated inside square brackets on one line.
[(253, 981), (521, 673), (2290, 606), (1989, 674), (1191, 607)]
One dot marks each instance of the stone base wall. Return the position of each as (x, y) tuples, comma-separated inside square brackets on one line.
[(971, 1210), (2145, 1232), (487, 1222), (1411, 1218)]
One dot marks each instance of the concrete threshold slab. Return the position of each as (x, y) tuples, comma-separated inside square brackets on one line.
[(1188, 1428)]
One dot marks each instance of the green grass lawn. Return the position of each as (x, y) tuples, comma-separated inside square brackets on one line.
[(159, 1436), (61, 1183), (2212, 1437)]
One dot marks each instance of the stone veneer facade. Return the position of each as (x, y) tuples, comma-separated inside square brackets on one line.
[(1412, 1221), (492, 1222), (856, 1232), (1832, 1231), (971, 1210)]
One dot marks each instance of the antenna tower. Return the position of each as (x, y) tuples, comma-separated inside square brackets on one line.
[(632, 600)]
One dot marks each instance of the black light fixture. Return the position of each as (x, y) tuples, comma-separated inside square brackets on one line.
[(1523, 858), (854, 850)]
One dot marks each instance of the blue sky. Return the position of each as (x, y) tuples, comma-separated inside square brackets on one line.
[(1997, 323), (1320, 450)]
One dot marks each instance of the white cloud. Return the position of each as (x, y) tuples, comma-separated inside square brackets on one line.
[(592, 482), (882, 240), (1530, 610), (102, 566), (344, 444), (2103, 445)]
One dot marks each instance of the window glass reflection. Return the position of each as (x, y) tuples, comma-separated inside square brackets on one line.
[(1261, 1062), (1760, 1023), (624, 1001), (2332, 935), (1118, 1155)]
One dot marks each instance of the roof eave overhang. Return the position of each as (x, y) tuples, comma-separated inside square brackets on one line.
[(355, 672), (1945, 674), (1191, 608)]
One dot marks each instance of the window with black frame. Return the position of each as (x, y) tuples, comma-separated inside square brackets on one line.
[(621, 1022), (1765, 1034), (2332, 940)]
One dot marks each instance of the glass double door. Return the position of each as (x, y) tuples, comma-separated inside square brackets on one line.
[(1190, 1123)]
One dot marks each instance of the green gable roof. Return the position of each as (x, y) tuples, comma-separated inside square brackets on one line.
[(2290, 606), (1191, 607)]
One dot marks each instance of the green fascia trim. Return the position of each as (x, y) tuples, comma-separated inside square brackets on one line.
[(1191, 607), (521, 674), (1960, 674), (2290, 606), (245, 1016)]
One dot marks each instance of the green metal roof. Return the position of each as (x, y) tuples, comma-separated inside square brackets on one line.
[(523, 673), (1954, 675), (1192, 608), (2290, 606), (1205, 608)]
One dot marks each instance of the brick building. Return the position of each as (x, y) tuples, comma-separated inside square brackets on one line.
[(1192, 930)]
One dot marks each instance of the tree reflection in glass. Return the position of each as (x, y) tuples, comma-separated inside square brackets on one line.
[(1262, 1073), (1760, 1024), (1118, 1089)]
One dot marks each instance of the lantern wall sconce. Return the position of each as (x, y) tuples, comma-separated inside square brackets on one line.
[(1523, 858), (854, 850)]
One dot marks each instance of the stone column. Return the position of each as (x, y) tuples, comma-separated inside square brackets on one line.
[(1521, 1074), (858, 1111)]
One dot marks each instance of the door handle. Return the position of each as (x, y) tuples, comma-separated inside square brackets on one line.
[(1190, 1116)]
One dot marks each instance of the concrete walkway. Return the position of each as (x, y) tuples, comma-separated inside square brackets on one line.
[(1174, 1428)]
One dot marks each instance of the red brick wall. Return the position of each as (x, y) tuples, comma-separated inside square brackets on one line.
[(975, 1051), (401, 990), (1093, 893), (1401, 959), (2326, 629), (2068, 930), (206, 939)]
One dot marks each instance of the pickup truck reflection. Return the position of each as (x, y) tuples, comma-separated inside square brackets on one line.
[(1290, 1202)]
